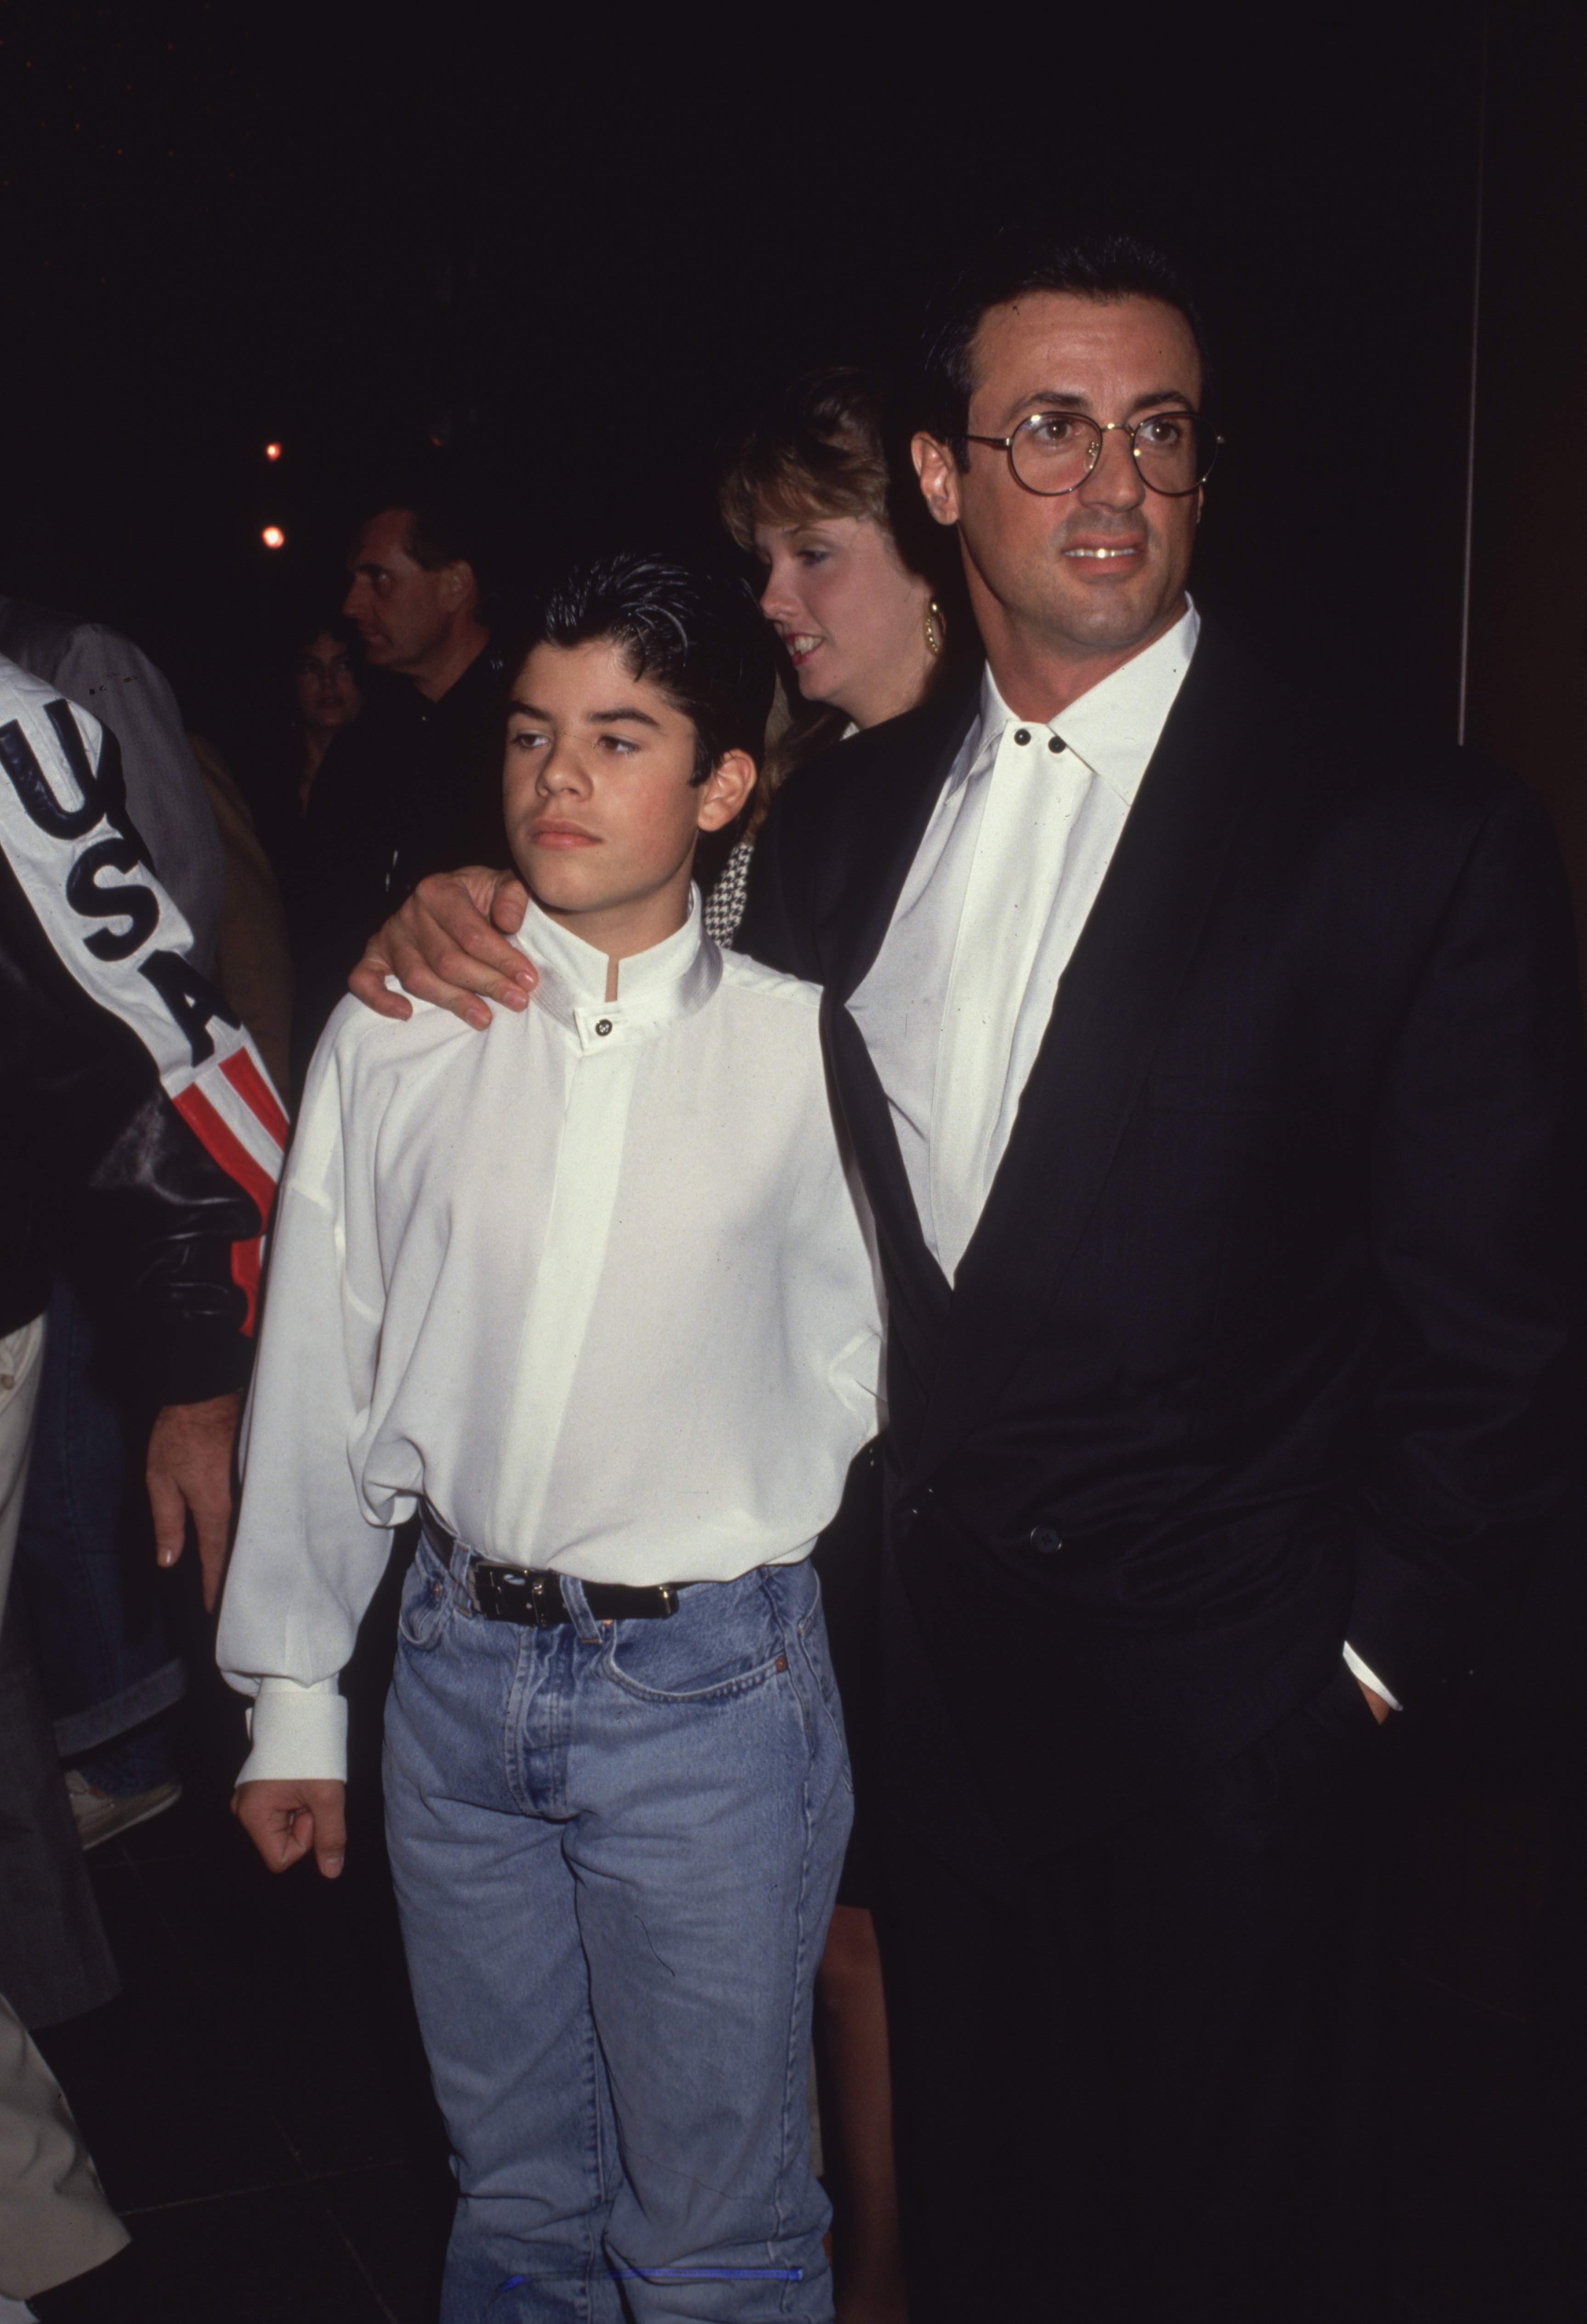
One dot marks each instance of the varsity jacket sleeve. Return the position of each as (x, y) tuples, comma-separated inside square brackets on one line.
[(148, 1137), (120, 687)]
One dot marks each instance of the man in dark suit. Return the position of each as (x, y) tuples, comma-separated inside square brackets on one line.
[(1215, 1070)]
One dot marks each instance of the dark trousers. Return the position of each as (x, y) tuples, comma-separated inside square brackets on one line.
[(1152, 2089)]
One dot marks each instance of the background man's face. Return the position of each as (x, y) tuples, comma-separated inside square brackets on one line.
[(1100, 568), (403, 611)]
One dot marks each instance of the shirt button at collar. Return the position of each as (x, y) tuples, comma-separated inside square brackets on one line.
[(1021, 735), (603, 1025)]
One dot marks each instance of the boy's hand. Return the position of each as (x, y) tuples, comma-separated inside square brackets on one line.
[(443, 945), (284, 1819)]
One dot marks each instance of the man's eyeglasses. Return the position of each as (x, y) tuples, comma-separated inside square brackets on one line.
[(1053, 452)]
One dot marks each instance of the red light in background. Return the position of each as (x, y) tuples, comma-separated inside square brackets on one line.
[(273, 451), (273, 537)]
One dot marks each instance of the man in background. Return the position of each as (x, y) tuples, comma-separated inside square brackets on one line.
[(415, 785)]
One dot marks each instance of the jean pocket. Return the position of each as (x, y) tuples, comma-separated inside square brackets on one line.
[(427, 1600), (722, 1642)]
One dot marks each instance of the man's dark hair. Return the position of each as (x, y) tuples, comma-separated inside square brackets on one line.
[(1012, 266), (697, 635), (443, 529)]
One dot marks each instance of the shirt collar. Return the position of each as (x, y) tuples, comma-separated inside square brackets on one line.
[(655, 988), (1114, 727)]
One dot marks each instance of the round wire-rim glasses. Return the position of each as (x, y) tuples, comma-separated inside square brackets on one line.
[(1050, 443)]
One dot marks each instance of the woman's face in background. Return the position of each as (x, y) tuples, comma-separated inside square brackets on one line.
[(325, 685), (851, 615)]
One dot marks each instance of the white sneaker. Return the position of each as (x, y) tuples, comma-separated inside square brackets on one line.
[(106, 1815)]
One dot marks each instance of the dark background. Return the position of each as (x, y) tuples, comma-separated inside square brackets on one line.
[(579, 247)]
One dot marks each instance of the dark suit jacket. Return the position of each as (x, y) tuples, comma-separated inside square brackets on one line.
[(1269, 1335)]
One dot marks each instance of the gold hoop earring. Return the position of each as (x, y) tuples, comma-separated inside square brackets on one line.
[(934, 628)]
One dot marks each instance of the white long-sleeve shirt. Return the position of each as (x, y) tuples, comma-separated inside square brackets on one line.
[(595, 1283)]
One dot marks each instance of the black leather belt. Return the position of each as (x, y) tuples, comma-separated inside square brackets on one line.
[(514, 1593)]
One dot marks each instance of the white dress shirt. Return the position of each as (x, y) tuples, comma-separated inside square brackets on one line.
[(959, 999), (596, 1284)]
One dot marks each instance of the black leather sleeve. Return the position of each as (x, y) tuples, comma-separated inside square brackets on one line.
[(100, 1171)]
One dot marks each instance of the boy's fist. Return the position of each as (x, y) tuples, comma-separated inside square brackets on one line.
[(284, 1819)]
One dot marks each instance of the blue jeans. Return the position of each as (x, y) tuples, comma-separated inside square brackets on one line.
[(85, 1571), (615, 1848)]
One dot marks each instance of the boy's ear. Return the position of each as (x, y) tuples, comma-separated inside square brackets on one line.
[(725, 789)]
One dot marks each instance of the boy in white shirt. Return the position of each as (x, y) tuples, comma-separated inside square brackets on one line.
[(624, 1403)]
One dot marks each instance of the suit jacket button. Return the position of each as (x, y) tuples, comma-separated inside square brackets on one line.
[(1044, 1541)]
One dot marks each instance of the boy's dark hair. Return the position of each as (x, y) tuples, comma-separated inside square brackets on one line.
[(697, 635), (1013, 264)]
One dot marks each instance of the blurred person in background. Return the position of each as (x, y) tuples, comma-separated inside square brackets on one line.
[(312, 688), (109, 1670), (327, 696), (414, 785), (142, 1135), (316, 693)]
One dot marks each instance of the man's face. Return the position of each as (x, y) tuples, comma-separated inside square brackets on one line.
[(1101, 568), (404, 614), (601, 807)]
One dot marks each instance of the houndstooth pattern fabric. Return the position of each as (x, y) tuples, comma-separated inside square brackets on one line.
[(724, 906)]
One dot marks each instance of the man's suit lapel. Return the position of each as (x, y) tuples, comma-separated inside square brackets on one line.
[(1113, 1006), (899, 797)]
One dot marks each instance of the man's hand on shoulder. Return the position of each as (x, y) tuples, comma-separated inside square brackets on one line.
[(285, 1818), (188, 1470), (447, 945)]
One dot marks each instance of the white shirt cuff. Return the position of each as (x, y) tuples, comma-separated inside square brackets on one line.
[(1370, 1677), (298, 1733)]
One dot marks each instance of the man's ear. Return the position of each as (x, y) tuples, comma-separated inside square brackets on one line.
[(938, 471), (458, 585), (725, 789)]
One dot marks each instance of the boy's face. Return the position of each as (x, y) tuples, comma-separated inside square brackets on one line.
[(602, 814)]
